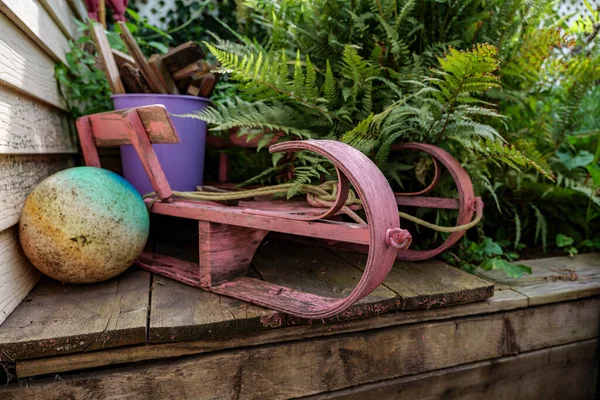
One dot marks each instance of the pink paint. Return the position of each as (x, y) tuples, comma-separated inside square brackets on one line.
[(229, 235)]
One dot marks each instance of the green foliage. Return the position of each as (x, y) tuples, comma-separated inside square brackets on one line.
[(83, 85), (506, 86)]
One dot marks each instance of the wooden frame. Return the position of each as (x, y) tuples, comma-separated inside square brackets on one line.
[(229, 235)]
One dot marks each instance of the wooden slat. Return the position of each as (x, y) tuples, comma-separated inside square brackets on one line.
[(107, 60), (556, 279), (181, 312), (35, 22), (28, 126), (63, 15), (290, 370), (313, 366), (553, 324), (17, 275), (502, 300), (140, 59), (62, 319), (317, 271), (79, 9), (564, 372), (430, 283), (25, 66), (18, 177)]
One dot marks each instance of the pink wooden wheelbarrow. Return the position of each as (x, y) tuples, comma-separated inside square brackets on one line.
[(230, 235)]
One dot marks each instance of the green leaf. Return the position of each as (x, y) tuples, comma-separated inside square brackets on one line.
[(490, 248), (135, 16), (572, 161), (159, 46), (563, 240), (594, 171), (510, 269)]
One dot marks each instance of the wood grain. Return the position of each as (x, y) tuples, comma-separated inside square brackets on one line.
[(28, 126), (556, 278), (25, 66), (122, 58), (318, 271), (140, 60), (31, 18), (78, 8), (133, 80), (316, 365), (17, 275), (106, 58), (183, 55), (63, 319), (563, 372), (290, 370), (63, 15), (19, 174), (502, 300), (420, 287), (554, 324), (162, 74), (180, 312)]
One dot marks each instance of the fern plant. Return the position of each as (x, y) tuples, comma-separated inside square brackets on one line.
[(497, 83)]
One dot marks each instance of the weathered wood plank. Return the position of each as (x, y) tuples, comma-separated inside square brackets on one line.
[(25, 66), (429, 283), (17, 275), (290, 370), (28, 126), (502, 300), (62, 319), (564, 372), (19, 174), (79, 9), (553, 324), (63, 15), (31, 18), (180, 312), (317, 271), (326, 364), (556, 279)]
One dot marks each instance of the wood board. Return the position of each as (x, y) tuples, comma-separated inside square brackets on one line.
[(313, 365), (17, 275), (25, 66), (19, 175), (63, 16), (555, 278), (181, 312), (28, 126), (420, 287), (61, 319), (33, 19), (79, 9), (502, 300), (563, 372)]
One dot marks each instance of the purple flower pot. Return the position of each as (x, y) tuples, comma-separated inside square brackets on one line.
[(182, 163)]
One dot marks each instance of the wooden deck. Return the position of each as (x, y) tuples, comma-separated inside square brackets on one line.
[(431, 331)]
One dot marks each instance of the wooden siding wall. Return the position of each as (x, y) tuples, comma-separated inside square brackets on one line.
[(36, 133)]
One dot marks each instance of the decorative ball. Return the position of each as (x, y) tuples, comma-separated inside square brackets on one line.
[(84, 225)]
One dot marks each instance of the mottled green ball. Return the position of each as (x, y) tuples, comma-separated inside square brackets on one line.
[(84, 225)]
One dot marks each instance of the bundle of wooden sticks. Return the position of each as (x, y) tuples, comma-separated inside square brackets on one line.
[(183, 70)]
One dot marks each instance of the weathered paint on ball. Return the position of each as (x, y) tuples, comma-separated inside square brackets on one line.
[(83, 225)]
